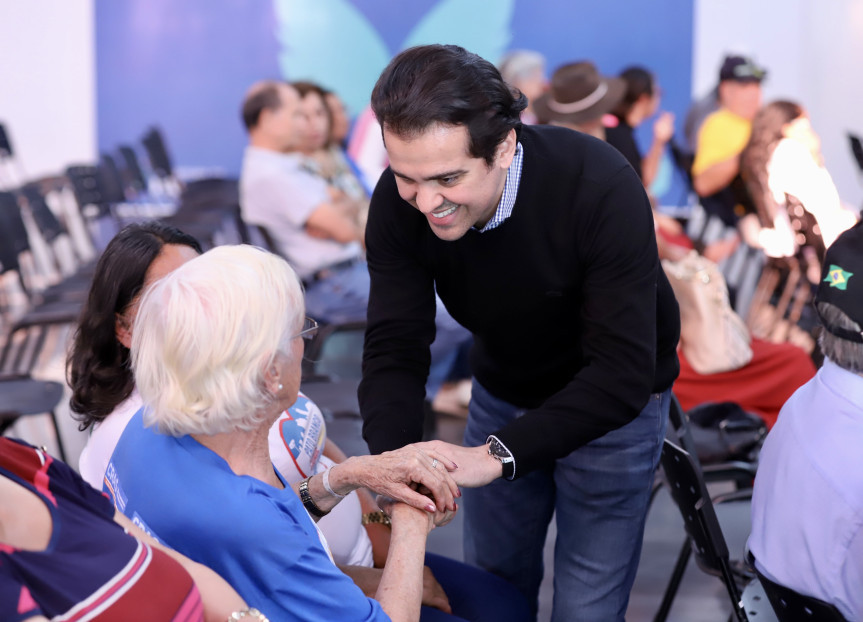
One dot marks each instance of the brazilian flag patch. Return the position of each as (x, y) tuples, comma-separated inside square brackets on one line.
[(837, 277)]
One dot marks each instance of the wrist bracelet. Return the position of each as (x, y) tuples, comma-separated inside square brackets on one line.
[(309, 503), (327, 486), (377, 518), (248, 613)]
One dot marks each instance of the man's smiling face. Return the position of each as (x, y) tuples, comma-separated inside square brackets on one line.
[(437, 175)]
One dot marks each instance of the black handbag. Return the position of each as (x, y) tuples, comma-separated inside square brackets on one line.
[(724, 432)]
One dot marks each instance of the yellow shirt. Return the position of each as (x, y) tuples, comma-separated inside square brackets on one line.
[(723, 135)]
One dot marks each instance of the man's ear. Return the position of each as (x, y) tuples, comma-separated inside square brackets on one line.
[(506, 150), (123, 331)]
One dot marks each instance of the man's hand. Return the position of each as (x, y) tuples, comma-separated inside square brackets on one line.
[(475, 466)]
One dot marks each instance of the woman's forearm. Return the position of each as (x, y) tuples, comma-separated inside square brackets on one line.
[(401, 587)]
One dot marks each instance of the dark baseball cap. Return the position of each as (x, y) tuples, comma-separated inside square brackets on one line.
[(741, 69), (842, 281)]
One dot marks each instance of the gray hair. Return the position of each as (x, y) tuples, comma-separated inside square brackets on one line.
[(846, 354), (519, 64)]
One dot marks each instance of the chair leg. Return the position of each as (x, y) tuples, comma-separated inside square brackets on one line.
[(61, 450), (674, 582)]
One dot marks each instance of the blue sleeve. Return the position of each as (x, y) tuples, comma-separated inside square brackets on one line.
[(286, 572)]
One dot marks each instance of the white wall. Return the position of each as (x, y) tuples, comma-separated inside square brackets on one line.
[(814, 52), (47, 82)]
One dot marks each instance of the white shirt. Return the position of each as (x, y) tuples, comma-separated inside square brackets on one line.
[(279, 194), (103, 439), (807, 507)]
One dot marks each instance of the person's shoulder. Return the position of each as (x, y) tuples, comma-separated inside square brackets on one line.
[(565, 144), (562, 151)]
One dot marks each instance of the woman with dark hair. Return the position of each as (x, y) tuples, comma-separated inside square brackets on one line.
[(98, 371), (640, 102), (326, 159), (797, 203)]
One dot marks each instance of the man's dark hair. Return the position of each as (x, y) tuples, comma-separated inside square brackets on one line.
[(266, 97), (446, 84)]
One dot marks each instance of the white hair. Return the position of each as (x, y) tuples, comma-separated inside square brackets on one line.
[(846, 354), (205, 335)]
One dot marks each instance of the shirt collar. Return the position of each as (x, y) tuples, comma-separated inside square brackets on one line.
[(510, 190)]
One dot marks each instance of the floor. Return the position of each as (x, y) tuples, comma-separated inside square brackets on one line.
[(701, 598)]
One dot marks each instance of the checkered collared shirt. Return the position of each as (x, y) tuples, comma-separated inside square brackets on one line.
[(510, 190)]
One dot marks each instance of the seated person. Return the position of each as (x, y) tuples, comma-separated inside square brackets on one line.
[(327, 160), (104, 397), (217, 366), (578, 97), (525, 70), (721, 139), (807, 532), (66, 553)]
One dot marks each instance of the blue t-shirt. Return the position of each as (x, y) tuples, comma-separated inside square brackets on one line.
[(258, 538)]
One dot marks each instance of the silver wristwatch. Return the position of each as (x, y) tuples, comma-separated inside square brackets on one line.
[(499, 452)]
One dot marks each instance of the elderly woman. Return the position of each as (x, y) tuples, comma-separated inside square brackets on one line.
[(216, 351)]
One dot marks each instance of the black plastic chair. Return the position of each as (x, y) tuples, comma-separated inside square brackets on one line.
[(704, 533), (856, 149), (791, 606), (24, 396), (131, 173)]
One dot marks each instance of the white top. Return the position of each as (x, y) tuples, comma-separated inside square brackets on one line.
[(807, 506), (103, 439), (793, 170), (296, 441), (278, 193)]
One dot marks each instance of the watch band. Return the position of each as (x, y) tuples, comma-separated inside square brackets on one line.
[(308, 502), (376, 518), (499, 452)]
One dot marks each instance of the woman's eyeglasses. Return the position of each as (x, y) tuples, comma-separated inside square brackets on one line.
[(310, 329)]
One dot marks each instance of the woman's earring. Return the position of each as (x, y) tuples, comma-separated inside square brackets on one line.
[(281, 386)]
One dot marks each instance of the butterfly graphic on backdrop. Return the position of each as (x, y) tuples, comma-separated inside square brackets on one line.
[(334, 44)]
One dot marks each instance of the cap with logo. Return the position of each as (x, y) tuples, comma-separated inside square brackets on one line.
[(741, 69), (842, 281)]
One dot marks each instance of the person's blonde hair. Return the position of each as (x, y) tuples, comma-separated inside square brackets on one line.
[(205, 335)]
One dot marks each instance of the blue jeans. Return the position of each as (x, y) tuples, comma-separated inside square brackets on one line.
[(343, 296), (599, 494)]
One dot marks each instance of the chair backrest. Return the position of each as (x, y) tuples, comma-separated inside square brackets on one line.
[(49, 226), (690, 495), (13, 230), (87, 186), (130, 171), (856, 149), (5, 143), (790, 606), (112, 182), (157, 152)]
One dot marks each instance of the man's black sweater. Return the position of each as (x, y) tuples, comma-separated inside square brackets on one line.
[(572, 315)]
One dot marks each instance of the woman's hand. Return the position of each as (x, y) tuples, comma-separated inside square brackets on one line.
[(397, 474)]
